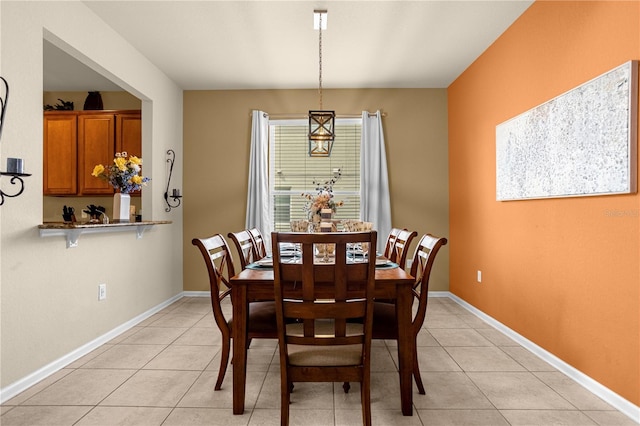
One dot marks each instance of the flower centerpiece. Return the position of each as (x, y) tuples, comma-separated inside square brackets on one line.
[(321, 199), (123, 174)]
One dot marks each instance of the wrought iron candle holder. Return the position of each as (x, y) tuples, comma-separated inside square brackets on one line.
[(175, 193), (15, 166)]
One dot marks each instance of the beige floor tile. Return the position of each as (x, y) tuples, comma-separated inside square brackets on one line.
[(205, 416), (155, 336), (581, 398), (125, 416), (483, 359), (459, 337), (91, 355), (177, 320), (202, 393), (435, 359), (527, 359), (311, 417), (200, 336), (433, 321), (177, 357), (385, 393), (547, 417), (163, 372), (426, 339), (518, 391), (610, 418), (41, 385), (382, 360), (304, 395), (475, 322), (152, 388), (450, 390), (125, 356), (265, 417), (489, 417), (43, 416), (81, 387), (497, 337)]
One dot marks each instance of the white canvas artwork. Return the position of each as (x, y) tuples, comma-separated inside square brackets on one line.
[(580, 143)]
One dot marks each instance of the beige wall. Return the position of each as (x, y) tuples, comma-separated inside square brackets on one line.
[(49, 310), (217, 131)]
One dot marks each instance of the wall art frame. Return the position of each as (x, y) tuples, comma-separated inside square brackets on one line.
[(580, 143)]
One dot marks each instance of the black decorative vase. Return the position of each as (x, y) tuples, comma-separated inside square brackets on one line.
[(93, 101)]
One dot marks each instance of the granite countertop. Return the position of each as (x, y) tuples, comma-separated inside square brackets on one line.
[(85, 225)]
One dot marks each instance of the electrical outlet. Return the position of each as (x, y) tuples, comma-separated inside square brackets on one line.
[(102, 291), (479, 278)]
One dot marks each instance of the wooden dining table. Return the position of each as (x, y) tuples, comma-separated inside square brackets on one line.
[(257, 284)]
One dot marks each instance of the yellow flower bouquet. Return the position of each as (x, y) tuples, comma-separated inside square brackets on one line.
[(123, 174)]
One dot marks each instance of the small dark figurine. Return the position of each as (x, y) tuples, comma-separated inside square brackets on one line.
[(60, 106), (95, 213)]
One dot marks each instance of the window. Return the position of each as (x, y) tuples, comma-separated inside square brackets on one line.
[(292, 172)]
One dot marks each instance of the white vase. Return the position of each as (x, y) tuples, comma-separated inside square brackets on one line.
[(121, 203)]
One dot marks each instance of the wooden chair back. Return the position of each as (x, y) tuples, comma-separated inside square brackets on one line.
[(217, 257), (244, 245), (259, 247), (391, 242), (400, 249), (423, 258), (323, 345)]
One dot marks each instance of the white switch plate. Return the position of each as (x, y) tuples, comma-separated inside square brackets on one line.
[(102, 291), (479, 276)]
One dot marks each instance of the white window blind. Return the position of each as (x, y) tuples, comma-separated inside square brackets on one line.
[(292, 171)]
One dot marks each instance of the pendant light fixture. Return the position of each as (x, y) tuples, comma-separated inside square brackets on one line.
[(321, 122)]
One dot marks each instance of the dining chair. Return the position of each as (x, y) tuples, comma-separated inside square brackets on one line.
[(384, 314), (243, 242), (260, 250), (391, 242), (322, 346), (401, 246), (262, 316)]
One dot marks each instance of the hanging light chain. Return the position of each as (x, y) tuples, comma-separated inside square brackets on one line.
[(320, 60)]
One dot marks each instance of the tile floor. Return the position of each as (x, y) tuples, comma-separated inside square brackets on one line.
[(162, 372)]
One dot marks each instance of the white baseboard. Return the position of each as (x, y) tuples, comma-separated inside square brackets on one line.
[(628, 408), (44, 372)]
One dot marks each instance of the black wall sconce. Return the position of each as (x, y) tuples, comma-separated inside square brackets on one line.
[(15, 166), (175, 194)]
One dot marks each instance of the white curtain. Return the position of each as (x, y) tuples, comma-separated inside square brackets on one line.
[(258, 188), (375, 206)]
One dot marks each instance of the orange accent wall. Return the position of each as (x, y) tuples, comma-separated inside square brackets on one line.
[(564, 272)]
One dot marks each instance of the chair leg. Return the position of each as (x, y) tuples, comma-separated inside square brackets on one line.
[(365, 398), (416, 370), (224, 360), (346, 386), (285, 399)]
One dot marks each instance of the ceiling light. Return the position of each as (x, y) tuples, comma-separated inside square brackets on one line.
[(321, 122)]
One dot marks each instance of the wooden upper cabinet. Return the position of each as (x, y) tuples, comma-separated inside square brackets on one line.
[(129, 133), (60, 154), (76, 141), (96, 136)]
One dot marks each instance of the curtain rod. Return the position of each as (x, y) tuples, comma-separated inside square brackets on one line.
[(294, 116)]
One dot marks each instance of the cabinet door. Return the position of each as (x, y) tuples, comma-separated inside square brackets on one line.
[(129, 133), (60, 153), (129, 136), (96, 133)]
